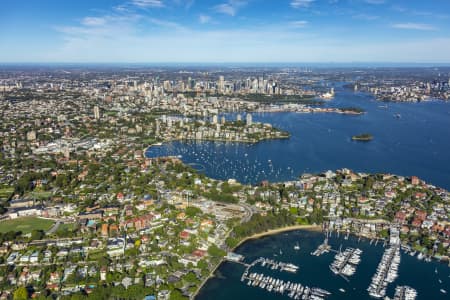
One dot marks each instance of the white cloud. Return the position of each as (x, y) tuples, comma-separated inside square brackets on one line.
[(167, 24), (247, 45), (148, 3), (106, 26), (93, 21), (121, 36), (301, 3), (186, 3), (226, 9), (204, 19), (230, 8), (414, 26), (299, 24), (123, 8)]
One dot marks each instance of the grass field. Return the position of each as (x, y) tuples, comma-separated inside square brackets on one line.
[(69, 226), (38, 195), (6, 192), (25, 224)]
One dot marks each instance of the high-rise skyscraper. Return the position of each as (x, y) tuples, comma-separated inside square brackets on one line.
[(96, 112), (249, 119), (221, 84)]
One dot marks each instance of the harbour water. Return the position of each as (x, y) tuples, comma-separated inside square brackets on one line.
[(409, 139), (416, 142), (314, 270)]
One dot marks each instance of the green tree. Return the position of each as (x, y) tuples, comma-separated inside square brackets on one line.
[(177, 295), (20, 293), (193, 211), (191, 277), (215, 251), (37, 234)]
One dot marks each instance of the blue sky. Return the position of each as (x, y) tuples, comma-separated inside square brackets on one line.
[(158, 31)]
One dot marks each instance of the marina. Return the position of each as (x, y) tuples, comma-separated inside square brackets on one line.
[(272, 284), (322, 248), (291, 289), (345, 262), (387, 272), (405, 293), (264, 262), (314, 271)]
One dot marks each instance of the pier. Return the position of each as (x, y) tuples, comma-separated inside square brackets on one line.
[(345, 262), (271, 264), (272, 284), (294, 290), (387, 272), (323, 248), (405, 293)]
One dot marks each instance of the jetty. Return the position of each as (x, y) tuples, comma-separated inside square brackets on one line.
[(405, 293), (323, 248), (275, 285), (345, 263), (271, 264), (387, 272), (291, 289)]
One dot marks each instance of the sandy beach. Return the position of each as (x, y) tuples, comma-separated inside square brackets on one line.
[(279, 230)]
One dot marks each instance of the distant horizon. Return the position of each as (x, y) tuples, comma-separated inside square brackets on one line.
[(230, 64)]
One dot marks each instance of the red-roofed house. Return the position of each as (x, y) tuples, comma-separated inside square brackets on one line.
[(184, 235), (421, 215), (416, 222), (120, 196), (105, 230), (199, 253), (400, 217)]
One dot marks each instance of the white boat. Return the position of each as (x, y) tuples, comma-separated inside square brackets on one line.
[(342, 290), (297, 247)]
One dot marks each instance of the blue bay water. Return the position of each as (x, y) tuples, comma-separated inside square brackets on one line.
[(314, 271), (418, 143)]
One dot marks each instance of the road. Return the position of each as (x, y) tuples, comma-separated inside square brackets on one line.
[(249, 212), (54, 228)]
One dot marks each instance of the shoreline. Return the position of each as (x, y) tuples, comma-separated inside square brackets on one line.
[(221, 140), (277, 231), (255, 237)]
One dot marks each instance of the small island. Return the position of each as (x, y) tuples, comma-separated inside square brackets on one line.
[(365, 137), (353, 110)]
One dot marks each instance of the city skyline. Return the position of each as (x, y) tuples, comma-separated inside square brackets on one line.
[(225, 31)]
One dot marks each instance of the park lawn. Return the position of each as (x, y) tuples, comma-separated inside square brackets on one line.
[(6, 192), (69, 226), (25, 224), (40, 195)]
